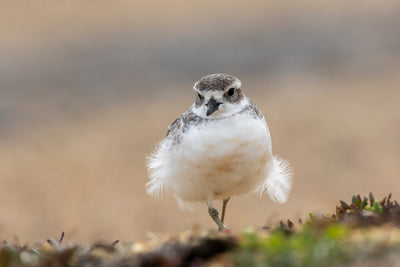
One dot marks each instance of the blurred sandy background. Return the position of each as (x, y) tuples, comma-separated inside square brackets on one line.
[(87, 88)]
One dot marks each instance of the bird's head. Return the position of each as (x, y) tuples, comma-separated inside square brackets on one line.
[(218, 96)]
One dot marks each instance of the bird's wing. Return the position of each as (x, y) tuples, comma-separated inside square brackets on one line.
[(174, 126), (253, 110), (182, 123)]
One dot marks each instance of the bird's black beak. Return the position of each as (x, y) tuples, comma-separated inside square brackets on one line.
[(212, 106)]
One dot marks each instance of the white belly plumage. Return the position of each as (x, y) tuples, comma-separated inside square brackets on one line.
[(215, 160)]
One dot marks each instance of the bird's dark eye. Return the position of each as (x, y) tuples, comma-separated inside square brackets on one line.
[(200, 96), (231, 92)]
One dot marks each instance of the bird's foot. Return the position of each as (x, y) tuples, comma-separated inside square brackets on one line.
[(214, 215)]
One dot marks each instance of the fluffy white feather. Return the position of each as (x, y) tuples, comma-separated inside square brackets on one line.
[(279, 180)]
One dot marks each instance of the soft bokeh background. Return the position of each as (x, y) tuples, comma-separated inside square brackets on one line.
[(87, 88)]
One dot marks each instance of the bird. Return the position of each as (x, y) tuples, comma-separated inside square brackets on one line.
[(219, 148)]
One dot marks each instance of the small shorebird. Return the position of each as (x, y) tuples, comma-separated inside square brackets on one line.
[(220, 147)]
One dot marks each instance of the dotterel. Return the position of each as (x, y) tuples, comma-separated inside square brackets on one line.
[(219, 148)]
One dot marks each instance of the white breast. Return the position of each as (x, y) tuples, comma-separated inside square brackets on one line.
[(222, 158)]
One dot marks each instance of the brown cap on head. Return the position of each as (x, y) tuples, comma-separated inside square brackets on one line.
[(215, 82)]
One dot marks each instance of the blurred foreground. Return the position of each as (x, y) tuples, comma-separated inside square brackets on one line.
[(362, 233)]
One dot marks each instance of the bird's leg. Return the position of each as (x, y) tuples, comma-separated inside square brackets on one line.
[(224, 203), (214, 215)]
